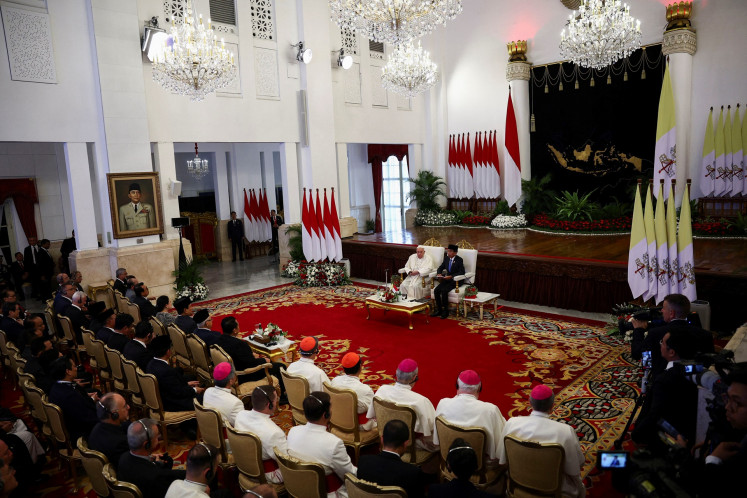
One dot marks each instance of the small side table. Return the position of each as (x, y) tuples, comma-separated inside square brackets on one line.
[(481, 299)]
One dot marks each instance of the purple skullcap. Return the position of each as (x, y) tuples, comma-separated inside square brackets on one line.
[(469, 377), (541, 392), (407, 365), (222, 370)]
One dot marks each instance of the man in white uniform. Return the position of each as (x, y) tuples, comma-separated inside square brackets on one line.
[(401, 393), (538, 427), (352, 365), (258, 422), (418, 264), (221, 397), (312, 443), (304, 367), (466, 410), (202, 463)]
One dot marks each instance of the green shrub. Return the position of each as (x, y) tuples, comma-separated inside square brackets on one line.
[(426, 190), (571, 207)]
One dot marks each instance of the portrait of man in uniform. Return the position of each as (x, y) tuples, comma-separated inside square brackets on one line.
[(135, 202)]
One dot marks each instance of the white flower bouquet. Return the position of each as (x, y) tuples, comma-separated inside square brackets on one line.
[(506, 221), (435, 218), (195, 292), (316, 274)]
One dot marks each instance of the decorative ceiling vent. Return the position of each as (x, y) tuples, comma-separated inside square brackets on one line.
[(223, 11), (571, 4), (375, 50)]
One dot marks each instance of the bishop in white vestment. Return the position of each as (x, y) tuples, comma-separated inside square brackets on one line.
[(418, 264)]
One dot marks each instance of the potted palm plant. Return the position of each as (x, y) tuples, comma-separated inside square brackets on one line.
[(426, 190)]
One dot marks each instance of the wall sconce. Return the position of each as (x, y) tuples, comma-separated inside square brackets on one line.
[(344, 60), (154, 39), (304, 54)]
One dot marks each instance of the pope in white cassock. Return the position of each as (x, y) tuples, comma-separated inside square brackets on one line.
[(418, 264)]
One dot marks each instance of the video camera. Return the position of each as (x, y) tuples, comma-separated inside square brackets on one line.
[(652, 315)]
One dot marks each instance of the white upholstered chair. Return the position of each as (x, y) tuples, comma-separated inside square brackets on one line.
[(433, 249), (469, 256)]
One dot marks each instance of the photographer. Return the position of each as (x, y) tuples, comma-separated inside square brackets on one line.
[(675, 311), (673, 396)]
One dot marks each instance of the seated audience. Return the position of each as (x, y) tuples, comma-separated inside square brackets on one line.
[(76, 278), (34, 366), (462, 462), (130, 283), (95, 309), (466, 410), (12, 323), (123, 328), (417, 265), (137, 349), (220, 397), (62, 279), (387, 468), (109, 436), (672, 397), (538, 427), (63, 298), (10, 424), (21, 275), (119, 281), (77, 313), (107, 318), (8, 479), (203, 330), (78, 407), (15, 455), (202, 465), (184, 321), (257, 421), (163, 310), (352, 365), (304, 366), (152, 473), (401, 392), (147, 309), (312, 443)]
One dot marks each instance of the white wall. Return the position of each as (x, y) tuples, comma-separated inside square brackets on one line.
[(361, 180)]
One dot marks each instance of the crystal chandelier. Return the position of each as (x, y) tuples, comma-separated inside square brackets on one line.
[(197, 167), (192, 63), (409, 70), (600, 33), (393, 21)]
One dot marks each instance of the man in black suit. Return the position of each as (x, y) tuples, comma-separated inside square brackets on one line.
[(147, 309), (137, 349), (241, 353), (34, 367), (123, 327), (451, 267), (63, 298), (67, 247), (119, 281), (151, 472), (673, 397), (29, 258), (275, 221), (184, 321), (77, 312), (387, 468), (109, 436), (204, 328), (675, 310), (78, 407), (20, 274), (108, 318), (45, 265), (12, 323), (236, 236), (176, 393)]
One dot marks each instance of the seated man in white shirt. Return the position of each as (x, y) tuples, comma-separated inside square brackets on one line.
[(401, 393), (304, 367), (417, 265), (352, 365), (466, 410), (202, 464), (312, 443), (257, 421), (221, 397), (538, 427)]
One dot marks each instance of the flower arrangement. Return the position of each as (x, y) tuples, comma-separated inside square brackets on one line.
[(426, 217), (189, 282), (389, 295), (508, 221), (475, 220), (621, 224), (714, 228), (195, 292), (470, 292), (271, 333), (620, 316), (316, 274)]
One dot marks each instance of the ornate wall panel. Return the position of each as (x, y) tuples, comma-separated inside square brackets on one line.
[(404, 103), (234, 89), (28, 39), (378, 93), (263, 19), (349, 41), (266, 72), (352, 82)]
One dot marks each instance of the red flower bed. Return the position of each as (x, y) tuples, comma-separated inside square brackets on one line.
[(476, 220), (621, 224), (713, 228)]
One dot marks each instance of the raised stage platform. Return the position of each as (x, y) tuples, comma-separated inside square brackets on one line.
[(581, 272)]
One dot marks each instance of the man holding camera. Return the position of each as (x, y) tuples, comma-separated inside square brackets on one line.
[(674, 312)]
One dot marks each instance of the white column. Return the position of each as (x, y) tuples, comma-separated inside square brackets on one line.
[(342, 192), (81, 193), (163, 153), (680, 46), (291, 185), (517, 74), (220, 183)]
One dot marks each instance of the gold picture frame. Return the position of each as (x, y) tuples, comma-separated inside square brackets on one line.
[(126, 221)]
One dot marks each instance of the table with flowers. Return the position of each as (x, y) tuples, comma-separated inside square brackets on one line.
[(390, 300), (272, 342)]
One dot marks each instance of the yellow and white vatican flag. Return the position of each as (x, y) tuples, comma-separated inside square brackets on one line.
[(728, 153), (638, 252), (708, 164), (674, 254), (652, 268), (662, 249), (719, 185), (737, 146), (685, 245), (665, 153)]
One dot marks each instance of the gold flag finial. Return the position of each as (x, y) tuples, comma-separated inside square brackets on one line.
[(678, 15), (517, 51)]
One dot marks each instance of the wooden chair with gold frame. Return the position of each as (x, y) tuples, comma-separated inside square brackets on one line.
[(469, 255), (534, 469), (210, 424), (134, 394), (302, 479), (358, 488), (36, 399), (66, 325), (181, 355), (247, 451), (152, 396), (114, 358), (119, 489), (218, 355), (202, 362), (435, 250), (296, 389), (94, 463), (158, 327), (387, 410), (60, 435), (344, 420)]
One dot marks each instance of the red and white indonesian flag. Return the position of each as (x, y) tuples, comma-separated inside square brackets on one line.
[(316, 248), (708, 164), (477, 168), (460, 166), (336, 225), (329, 231), (674, 254), (320, 229), (450, 176), (719, 186), (737, 146), (265, 215), (662, 250), (306, 231), (638, 252), (494, 171), (652, 268), (256, 219), (685, 245), (665, 154), (247, 218), (728, 154), (512, 161), (469, 182)]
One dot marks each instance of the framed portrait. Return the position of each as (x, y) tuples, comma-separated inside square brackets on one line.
[(135, 201)]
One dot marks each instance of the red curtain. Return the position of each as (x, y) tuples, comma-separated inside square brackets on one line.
[(378, 183), (377, 154), (23, 192)]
